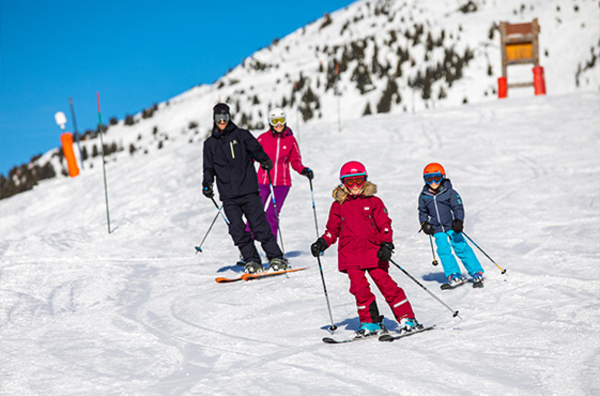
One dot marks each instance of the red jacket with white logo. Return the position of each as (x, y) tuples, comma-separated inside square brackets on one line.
[(282, 148), (361, 223)]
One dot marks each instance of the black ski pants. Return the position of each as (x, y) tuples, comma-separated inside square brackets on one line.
[(251, 207)]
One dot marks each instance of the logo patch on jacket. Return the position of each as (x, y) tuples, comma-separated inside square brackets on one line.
[(366, 208)]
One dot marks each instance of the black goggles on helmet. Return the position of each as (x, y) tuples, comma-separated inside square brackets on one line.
[(221, 117)]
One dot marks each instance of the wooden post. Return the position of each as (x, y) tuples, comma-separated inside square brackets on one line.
[(519, 44)]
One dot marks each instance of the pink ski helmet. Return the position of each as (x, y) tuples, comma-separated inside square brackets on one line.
[(353, 169)]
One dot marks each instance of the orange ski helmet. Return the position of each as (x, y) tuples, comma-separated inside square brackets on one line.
[(434, 167), (434, 173)]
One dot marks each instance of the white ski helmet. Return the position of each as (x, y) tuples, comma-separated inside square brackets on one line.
[(277, 116)]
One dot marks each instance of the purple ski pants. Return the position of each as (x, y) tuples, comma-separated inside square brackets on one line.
[(281, 193)]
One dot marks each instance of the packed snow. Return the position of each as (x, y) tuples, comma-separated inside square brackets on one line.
[(137, 312)]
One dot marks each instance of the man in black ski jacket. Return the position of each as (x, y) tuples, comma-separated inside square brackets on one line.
[(229, 155)]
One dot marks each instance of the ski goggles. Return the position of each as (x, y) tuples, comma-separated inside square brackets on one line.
[(431, 178), (221, 117), (275, 121), (354, 181)]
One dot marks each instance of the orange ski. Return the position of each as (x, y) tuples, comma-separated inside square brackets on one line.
[(260, 275)]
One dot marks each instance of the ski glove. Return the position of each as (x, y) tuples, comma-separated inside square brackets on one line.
[(427, 228), (207, 190), (457, 226), (266, 164), (386, 249), (308, 173), (318, 247)]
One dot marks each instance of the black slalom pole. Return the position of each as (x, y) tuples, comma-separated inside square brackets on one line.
[(103, 160), (333, 327), (454, 313), (76, 132)]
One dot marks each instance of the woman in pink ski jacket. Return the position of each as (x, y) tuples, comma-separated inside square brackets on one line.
[(282, 148), (359, 222)]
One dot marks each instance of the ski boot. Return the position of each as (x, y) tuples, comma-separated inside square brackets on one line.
[(370, 329), (408, 324), (478, 279), (253, 267), (278, 264), (454, 280)]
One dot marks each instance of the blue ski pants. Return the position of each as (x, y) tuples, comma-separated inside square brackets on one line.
[(444, 241)]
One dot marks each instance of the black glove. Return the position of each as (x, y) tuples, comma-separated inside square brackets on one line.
[(266, 164), (308, 173), (457, 226), (318, 247), (207, 190), (386, 249), (427, 228)]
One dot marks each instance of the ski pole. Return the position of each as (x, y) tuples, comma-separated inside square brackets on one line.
[(454, 313), (219, 209), (275, 208), (199, 247), (333, 327), (486, 255), (434, 262)]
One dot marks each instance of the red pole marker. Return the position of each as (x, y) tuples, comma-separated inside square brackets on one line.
[(502, 88)]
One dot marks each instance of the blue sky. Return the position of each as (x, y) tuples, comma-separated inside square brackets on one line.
[(135, 52)]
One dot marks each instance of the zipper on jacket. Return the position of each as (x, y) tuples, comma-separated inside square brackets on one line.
[(277, 158), (437, 212), (371, 221), (232, 153)]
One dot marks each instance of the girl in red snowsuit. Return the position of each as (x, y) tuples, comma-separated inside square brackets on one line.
[(360, 221)]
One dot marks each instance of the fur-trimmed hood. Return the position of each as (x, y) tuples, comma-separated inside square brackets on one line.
[(340, 193)]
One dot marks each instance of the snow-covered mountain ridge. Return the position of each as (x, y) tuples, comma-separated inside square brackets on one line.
[(392, 56)]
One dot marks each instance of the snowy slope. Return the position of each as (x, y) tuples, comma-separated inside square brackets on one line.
[(137, 312)]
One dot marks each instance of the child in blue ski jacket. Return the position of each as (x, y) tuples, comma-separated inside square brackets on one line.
[(441, 214)]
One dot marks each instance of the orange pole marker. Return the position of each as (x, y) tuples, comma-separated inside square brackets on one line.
[(67, 145)]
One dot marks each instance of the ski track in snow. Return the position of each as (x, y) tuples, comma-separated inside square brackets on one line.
[(137, 312)]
